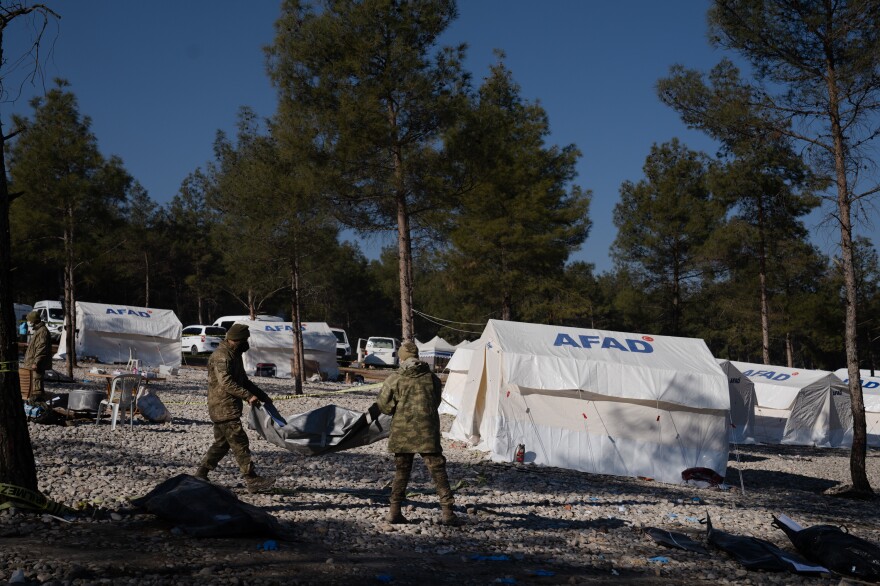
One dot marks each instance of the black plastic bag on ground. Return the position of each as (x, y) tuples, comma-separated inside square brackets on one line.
[(834, 548), (756, 554), (675, 540), (202, 509)]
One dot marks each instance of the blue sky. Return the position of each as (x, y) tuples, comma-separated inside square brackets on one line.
[(160, 78)]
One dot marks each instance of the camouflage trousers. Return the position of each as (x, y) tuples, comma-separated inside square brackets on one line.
[(436, 464), (229, 435), (37, 392)]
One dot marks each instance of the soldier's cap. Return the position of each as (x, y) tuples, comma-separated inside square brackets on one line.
[(238, 332), (33, 317), (408, 350)]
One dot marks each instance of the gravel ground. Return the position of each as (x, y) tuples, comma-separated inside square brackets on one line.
[(522, 524)]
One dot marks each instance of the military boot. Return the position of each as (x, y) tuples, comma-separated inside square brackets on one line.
[(256, 483), (202, 473), (448, 517), (395, 517)]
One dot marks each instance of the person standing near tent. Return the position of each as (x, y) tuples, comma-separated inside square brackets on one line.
[(228, 387), (38, 357), (412, 396)]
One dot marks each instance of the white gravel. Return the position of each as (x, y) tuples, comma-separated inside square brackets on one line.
[(582, 527)]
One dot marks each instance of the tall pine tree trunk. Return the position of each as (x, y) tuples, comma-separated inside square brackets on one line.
[(857, 469), (69, 293), (17, 465), (297, 361), (762, 277)]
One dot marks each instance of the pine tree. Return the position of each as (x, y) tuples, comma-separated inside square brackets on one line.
[(370, 78), (521, 218), (663, 223)]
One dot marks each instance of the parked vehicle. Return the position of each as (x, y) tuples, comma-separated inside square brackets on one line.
[(198, 338), (52, 313), (226, 321), (343, 348), (378, 351)]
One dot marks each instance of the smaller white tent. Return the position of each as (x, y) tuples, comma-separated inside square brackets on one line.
[(871, 397), (271, 342), (435, 352), (117, 333), (597, 401), (742, 404), (799, 406), (457, 377)]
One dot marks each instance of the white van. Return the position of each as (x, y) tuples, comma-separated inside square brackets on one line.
[(381, 351), (52, 313), (343, 348), (227, 320)]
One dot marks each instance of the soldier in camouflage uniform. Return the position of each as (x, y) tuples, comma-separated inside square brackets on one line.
[(228, 387), (38, 357), (412, 396)]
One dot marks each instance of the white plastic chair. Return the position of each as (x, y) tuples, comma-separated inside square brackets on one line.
[(123, 394), (133, 363)]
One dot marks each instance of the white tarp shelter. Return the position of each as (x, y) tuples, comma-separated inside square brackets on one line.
[(117, 333), (742, 404), (799, 406), (596, 401), (871, 397), (271, 342), (435, 352)]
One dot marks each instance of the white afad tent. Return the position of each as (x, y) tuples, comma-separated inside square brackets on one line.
[(799, 406), (871, 398), (597, 401), (272, 343), (435, 352), (742, 404), (119, 333)]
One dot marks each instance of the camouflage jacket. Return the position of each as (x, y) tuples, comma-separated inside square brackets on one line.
[(228, 385), (39, 350), (412, 396)]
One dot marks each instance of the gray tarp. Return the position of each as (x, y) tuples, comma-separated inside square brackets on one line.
[(327, 429)]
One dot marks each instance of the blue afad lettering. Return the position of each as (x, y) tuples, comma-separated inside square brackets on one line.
[(279, 328), (768, 374), (590, 342), (126, 311)]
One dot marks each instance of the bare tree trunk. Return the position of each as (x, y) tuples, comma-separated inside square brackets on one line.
[(858, 472), (16, 455), (17, 465), (506, 306), (69, 293), (789, 351), (147, 280), (297, 361), (676, 298), (199, 308), (404, 251), (765, 305)]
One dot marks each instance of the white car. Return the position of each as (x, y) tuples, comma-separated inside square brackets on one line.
[(381, 351), (199, 339)]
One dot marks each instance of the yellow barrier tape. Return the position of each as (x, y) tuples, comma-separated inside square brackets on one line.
[(16, 496), (292, 397), (4, 366)]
